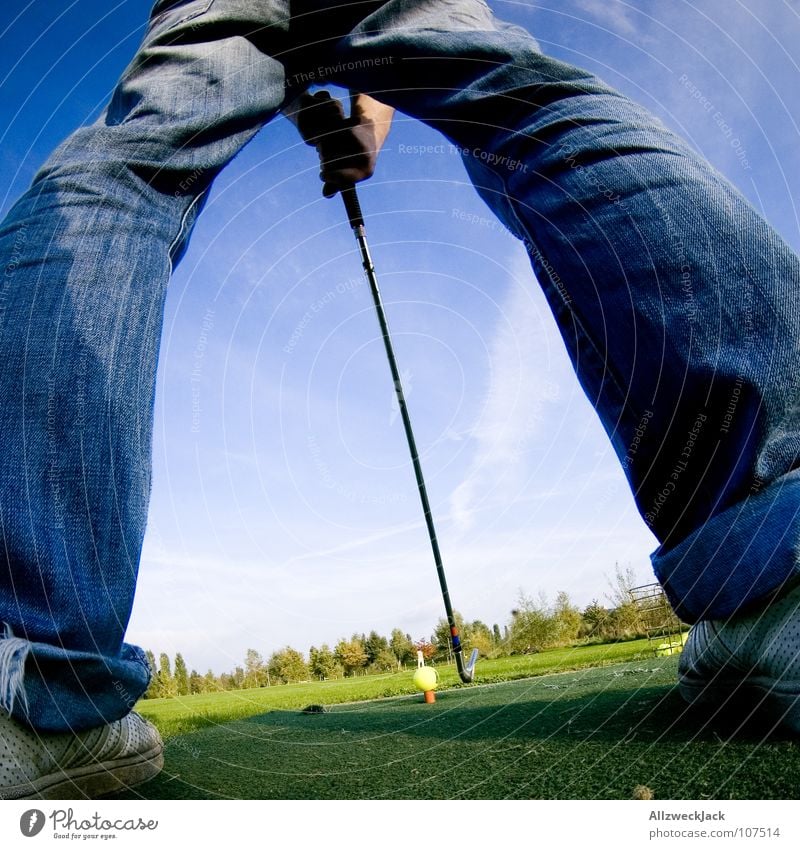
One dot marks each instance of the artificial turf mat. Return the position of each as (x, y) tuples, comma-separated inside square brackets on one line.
[(592, 734)]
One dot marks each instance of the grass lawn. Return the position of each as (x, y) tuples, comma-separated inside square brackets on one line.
[(595, 733), (190, 713)]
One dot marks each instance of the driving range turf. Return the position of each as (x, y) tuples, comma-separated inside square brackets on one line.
[(601, 732)]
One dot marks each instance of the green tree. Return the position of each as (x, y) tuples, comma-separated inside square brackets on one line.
[(212, 683), (625, 621), (255, 670), (351, 654), (287, 666), (322, 664), (181, 676), (154, 688), (165, 680), (374, 644), (568, 618), (402, 647), (478, 636), (385, 661), (197, 683), (474, 635), (497, 637), (533, 626), (597, 621)]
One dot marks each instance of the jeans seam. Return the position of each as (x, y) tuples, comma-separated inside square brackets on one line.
[(182, 228), (184, 19)]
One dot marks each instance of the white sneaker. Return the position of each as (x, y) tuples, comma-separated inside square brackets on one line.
[(755, 655), (76, 766)]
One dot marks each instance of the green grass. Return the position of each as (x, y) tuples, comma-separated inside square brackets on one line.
[(190, 713), (596, 733)]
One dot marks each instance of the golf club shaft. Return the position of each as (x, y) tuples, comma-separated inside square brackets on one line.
[(356, 217)]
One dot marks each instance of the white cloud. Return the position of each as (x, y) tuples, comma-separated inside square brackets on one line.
[(522, 384), (614, 14)]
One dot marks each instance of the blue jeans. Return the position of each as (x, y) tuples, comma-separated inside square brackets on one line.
[(678, 305)]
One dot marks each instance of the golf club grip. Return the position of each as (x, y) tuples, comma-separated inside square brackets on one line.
[(353, 207)]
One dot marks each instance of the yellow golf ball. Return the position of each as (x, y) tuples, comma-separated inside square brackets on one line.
[(425, 678)]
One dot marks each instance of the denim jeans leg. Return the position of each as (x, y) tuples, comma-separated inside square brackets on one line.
[(87, 253), (678, 304)]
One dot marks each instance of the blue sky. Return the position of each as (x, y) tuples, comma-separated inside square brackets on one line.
[(284, 508)]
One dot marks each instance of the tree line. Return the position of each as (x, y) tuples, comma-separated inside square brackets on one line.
[(535, 624)]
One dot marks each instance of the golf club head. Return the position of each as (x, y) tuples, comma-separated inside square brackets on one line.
[(467, 673)]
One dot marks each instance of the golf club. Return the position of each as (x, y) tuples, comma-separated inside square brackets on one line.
[(328, 118), (352, 205)]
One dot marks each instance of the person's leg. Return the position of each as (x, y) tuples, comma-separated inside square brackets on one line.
[(679, 305), (87, 252)]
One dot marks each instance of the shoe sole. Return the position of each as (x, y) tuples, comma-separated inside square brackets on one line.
[(780, 699), (92, 780)]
